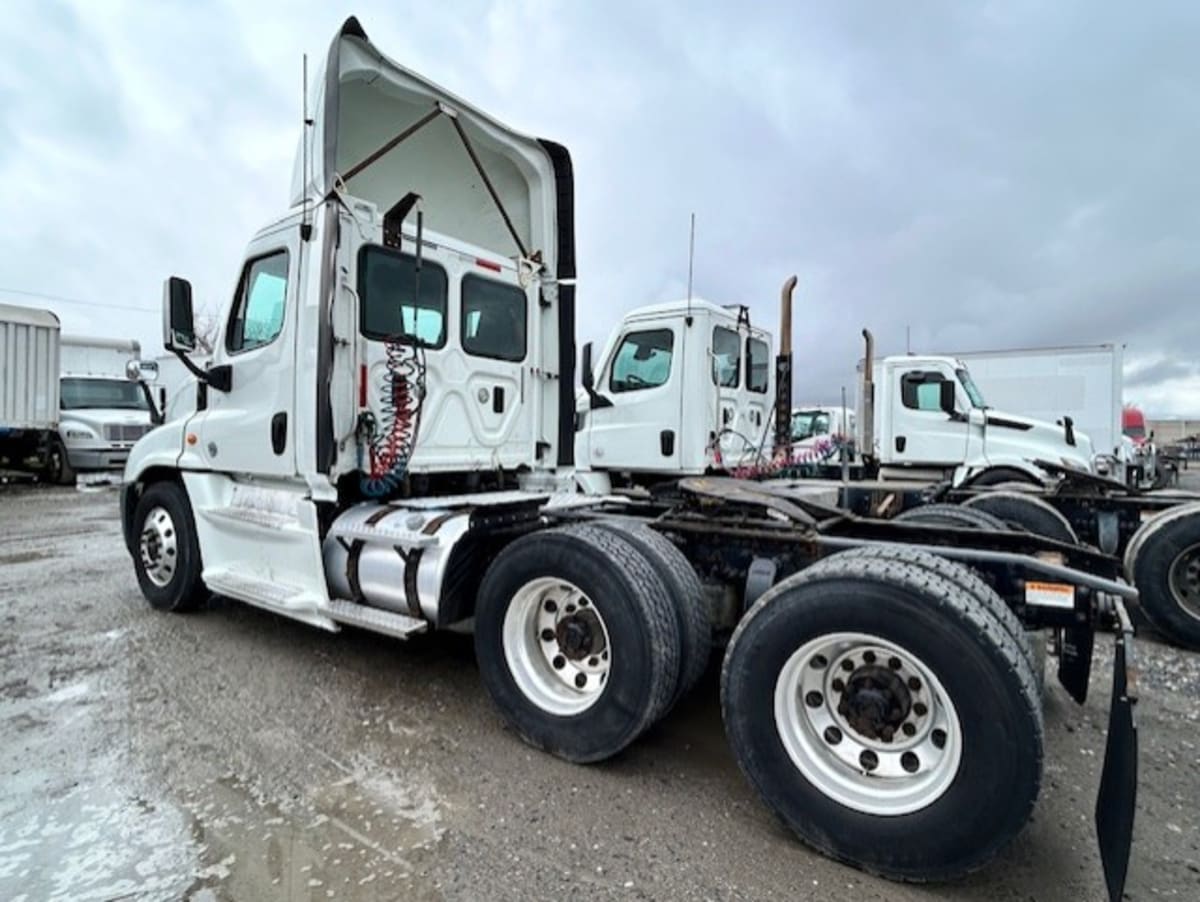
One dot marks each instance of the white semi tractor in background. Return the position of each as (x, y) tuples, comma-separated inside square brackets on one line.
[(385, 438)]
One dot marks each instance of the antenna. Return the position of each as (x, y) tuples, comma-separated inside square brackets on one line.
[(691, 260), (907, 339), (306, 176)]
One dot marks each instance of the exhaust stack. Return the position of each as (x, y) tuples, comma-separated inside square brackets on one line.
[(866, 425), (783, 370)]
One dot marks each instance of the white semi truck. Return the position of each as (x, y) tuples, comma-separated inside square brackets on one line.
[(385, 439)]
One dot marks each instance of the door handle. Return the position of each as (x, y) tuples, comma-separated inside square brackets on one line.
[(498, 399), (279, 432)]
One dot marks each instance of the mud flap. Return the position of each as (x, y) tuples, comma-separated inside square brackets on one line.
[(1116, 801), (1075, 660)]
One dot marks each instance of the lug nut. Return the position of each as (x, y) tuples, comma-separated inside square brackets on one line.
[(593, 661), (559, 662), (551, 606), (837, 685), (547, 635), (914, 684), (909, 729), (833, 735), (869, 657), (920, 710), (894, 663), (814, 699), (910, 762), (583, 602), (869, 760), (847, 665), (580, 680)]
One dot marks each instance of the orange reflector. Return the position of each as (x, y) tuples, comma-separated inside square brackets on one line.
[(487, 264), (191, 438)]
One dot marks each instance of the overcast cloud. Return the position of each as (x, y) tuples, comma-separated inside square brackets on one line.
[(990, 175)]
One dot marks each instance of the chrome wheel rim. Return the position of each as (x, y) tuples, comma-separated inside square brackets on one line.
[(158, 547), (557, 647), (1184, 578), (868, 724)]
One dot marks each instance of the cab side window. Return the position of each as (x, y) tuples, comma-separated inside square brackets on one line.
[(921, 391), (493, 319), (257, 316), (758, 367), (727, 357), (643, 360), (396, 303)]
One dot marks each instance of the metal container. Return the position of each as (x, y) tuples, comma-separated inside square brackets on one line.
[(29, 357)]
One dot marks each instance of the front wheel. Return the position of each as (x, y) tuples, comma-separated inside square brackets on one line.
[(886, 716), (166, 554), (58, 464)]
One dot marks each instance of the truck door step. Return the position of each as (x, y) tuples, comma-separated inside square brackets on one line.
[(238, 515), (390, 623), (254, 590)]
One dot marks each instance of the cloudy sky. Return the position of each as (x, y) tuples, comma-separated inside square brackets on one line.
[(989, 175)]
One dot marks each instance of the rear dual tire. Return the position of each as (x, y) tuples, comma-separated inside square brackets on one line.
[(577, 641), (1163, 561), (953, 804)]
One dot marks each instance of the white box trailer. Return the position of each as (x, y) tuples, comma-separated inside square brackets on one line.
[(1083, 382), (29, 361)]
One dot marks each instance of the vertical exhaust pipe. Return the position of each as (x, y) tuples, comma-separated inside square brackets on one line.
[(783, 370), (866, 425)]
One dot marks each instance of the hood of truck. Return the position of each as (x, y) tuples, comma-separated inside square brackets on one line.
[(1013, 435), (478, 180)]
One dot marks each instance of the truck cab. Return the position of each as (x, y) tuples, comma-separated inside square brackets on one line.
[(931, 419), (635, 415)]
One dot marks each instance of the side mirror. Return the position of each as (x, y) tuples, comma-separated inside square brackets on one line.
[(946, 396), (179, 328), (586, 376)]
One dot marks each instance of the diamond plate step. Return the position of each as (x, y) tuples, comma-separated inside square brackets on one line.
[(353, 525), (251, 515), (390, 623), (249, 588)]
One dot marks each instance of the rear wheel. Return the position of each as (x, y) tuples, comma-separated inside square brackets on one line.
[(885, 715), (166, 556), (1026, 512), (1163, 561), (687, 597), (577, 642)]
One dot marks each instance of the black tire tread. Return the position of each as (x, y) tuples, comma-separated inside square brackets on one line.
[(1063, 532), (1152, 579), (952, 515), (913, 570), (687, 595), (192, 593)]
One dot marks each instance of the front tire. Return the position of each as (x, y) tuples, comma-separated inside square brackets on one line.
[(58, 465), (820, 693), (577, 642), (166, 553)]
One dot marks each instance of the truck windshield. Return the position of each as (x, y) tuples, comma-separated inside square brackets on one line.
[(84, 394), (808, 423), (973, 392)]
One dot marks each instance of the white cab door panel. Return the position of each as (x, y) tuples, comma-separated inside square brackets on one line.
[(922, 433), (250, 428)]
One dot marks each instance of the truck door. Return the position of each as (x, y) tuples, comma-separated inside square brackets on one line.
[(643, 380), (731, 415), (250, 428), (923, 434)]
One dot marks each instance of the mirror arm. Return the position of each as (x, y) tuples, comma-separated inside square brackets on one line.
[(218, 377)]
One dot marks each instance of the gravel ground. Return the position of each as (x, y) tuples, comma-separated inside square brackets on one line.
[(231, 754)]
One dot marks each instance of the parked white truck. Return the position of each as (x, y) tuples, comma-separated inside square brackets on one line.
[(385, 440), (105, 409), (29, 371)]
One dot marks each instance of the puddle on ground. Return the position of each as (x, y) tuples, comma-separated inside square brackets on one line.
[(356, 839)]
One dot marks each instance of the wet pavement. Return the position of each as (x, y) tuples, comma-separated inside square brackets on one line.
[(231, 754)]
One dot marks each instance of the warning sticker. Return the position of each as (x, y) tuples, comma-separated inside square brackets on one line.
[(1050, 595)]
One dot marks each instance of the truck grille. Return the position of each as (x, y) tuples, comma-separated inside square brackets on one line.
[(125, 433)]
